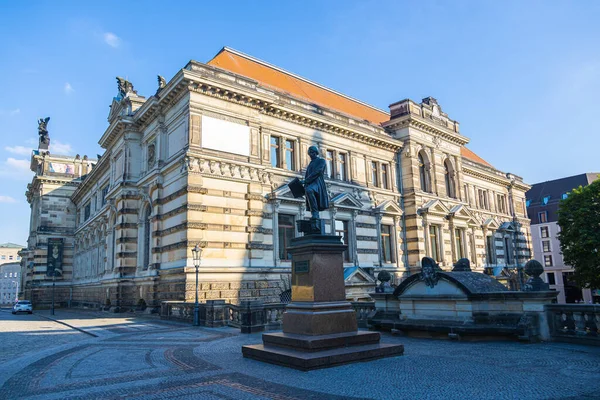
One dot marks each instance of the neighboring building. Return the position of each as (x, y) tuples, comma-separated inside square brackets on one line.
[(9, 253), (10, 281), (206, 160), (542, 207)]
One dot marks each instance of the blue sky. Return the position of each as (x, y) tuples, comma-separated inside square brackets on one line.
[(521, 77)]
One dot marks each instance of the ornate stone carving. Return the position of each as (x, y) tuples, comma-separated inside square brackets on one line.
[(151, 155), (125, 87), (162, 82), (429, 270)]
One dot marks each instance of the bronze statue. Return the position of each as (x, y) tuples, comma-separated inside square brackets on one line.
[(43, 131), (317, 198)]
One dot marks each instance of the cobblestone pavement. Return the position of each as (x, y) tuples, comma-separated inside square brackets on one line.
[(144, 358)]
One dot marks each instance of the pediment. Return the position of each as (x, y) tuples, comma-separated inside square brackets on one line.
[(462, 213), (357, 275), (507, 226), (283, 192), (389, 207), (490, 223), (118, 108), (435, 207), (346, 200)]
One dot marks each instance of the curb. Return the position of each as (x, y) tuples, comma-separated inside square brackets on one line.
[(70, 326)]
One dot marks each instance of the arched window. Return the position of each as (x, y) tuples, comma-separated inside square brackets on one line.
[(146, 252), (423, 173), (449, 178)]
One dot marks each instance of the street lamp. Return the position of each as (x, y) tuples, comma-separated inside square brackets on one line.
[(197, 250)]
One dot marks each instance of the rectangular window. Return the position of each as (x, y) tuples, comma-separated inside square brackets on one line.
[(3, 257), (384, 176), (548, 260), (544, 232), (87, 212), (10, 257), (341, 166), (341, 229), (387, 251), (489, 247), (542, 217), (275, 142), (104, 193), (459, 244), (374, 173), (550, 277), (286, 233), (507, 251), (434, 242), (289, 155), (501, 205), (546, 246), (467, 198), (329, 159)]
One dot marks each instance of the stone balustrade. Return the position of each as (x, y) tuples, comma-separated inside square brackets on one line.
[(576, 323), (250, 316)]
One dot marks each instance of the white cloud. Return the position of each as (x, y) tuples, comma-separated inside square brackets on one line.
[(18, 165), (111, 39), (68, 88), (15, 169), (7, 199), (20, 150), (58, 147), (32, 141), (10, 112)]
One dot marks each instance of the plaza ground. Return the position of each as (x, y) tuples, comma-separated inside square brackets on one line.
[(126, 356)]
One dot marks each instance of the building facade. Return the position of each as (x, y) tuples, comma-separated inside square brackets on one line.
[(206, 160), (10, 283), (9, 253), (542, 207)]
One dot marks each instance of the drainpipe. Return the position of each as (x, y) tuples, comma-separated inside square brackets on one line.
[(402, 217)]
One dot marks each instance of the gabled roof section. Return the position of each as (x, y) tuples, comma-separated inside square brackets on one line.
[(469, 155), (277, 78)]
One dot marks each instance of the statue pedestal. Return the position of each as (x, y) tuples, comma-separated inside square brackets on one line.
[(319, 325)]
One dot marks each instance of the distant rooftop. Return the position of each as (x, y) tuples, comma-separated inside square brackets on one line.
[(10, 246)]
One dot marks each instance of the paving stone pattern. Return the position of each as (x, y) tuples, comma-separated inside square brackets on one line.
[(149, 359)]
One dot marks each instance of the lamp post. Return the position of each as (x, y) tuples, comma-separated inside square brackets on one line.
[(197, 250)]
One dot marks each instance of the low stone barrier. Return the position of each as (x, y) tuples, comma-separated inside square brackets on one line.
[(575, 323), (249, 316)]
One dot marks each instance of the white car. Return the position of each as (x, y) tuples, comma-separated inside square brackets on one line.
[(22, 305)]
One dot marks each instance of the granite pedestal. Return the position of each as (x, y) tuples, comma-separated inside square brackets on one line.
[(319, 325)]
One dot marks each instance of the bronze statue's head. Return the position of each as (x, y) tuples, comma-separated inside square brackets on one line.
[(313, 152)]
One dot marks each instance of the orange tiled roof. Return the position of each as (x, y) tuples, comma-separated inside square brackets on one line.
[(469, 155), (277, 78)]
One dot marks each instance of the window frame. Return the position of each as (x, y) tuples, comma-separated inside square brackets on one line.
[(548, 261), (387, 236), (385, 172), (275, 149), (374, 174), (341, 161), (434, 242), (345, 237), (548, 248), (290, 151), (282, 246), (546, 230)]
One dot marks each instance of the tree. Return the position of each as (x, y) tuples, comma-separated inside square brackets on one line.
[(579, 221)]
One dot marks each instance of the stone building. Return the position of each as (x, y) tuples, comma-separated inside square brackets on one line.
[(542, 206), (10, 282), (206, 160), (9, 252)]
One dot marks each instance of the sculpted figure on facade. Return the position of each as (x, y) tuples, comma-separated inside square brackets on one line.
[(43, 131)]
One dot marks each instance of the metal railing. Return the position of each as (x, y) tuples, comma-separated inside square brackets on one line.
[(578, 323)]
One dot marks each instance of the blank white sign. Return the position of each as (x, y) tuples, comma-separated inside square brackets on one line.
[(225, 136)]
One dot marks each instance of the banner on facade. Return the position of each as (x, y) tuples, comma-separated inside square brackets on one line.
[(54, 257)]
